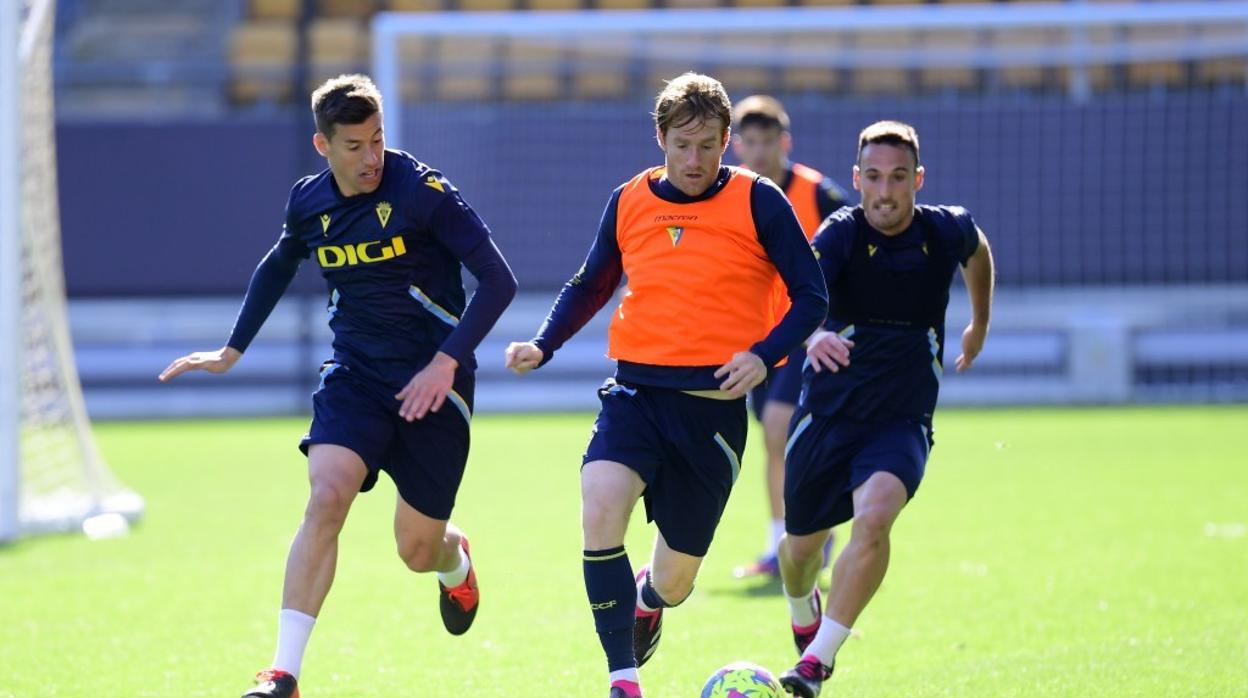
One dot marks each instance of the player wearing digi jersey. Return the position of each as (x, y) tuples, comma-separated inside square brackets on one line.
[(390, 236)]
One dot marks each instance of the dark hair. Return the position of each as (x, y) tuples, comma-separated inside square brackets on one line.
[(690, 98), (895, 133), (762, 111), (346, 99)]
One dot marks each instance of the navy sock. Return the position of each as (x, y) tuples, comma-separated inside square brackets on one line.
[(612, 598), (651, 597)]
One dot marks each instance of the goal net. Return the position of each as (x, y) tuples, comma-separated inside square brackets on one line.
[(53, 476)]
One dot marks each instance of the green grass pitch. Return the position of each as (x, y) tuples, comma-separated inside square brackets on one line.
[(1062, 552)]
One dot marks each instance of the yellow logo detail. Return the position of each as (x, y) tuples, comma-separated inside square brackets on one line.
[(816, 251), (675, 232), (432, 181), (334, 256), (325, 224), (871, 249), (602, 606), (383, 213), (925, 249)]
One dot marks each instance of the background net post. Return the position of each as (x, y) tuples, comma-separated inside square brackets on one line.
[(60, 479), (10, 261)]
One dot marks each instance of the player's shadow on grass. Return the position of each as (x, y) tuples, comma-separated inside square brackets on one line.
[(766, 585)]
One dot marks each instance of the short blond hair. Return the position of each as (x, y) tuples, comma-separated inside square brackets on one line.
[(691, 98)]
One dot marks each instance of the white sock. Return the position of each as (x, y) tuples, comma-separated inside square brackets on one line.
[(802, 609), (827, 641), (293, 629), (629, 674), (641, 602), (456, 576), (777, 532)]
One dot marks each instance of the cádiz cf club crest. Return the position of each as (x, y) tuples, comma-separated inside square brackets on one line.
[(675, 232), (383, 213)]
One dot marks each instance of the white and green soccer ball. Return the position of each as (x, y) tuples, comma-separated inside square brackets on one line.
[(742, 680)]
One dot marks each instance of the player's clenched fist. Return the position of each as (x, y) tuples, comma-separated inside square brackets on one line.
[(218, 361), (522, 357)]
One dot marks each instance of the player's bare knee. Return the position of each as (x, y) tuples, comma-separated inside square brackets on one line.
[(419, 555), (328, 504), (603, 523), (802, 550), (673, 586), (871, 526)]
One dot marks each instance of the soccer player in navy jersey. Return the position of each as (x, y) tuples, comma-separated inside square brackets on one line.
[(762, 141), (863, 428), (701, 245), (390, 236)]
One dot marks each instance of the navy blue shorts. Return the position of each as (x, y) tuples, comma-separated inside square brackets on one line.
[(783, 384), (686, 449), (827, 458), (425, 458)]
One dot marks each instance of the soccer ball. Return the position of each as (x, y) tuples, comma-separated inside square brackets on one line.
[(742, 680)]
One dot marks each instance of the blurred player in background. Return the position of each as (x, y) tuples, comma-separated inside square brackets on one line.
[(762, 141), (701, 244), (863, 431), (390, 236)]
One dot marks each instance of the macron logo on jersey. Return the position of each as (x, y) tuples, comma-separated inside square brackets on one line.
[(334, 256)]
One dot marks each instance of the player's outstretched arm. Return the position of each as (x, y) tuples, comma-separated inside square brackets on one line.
[(522, 357), (268, 283), (978, 274), (218, 361)]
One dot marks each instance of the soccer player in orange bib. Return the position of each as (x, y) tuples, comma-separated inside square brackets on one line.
[(761, 141), (701, 244)]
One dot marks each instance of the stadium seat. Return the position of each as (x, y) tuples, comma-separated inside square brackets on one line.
[(414, 5), (807, 75), (884, 80), (1032, 77), (273, 9), (671, 56), (531, 70), (465, 68), (827, 2), (1161, 73), (620, 4), (335, 46), (599, 68), (484, 5), (348, 8), (759, 3), (261, 54), (556, 5), (749, 74), (950, 77), (414, 52), (689, 4), (1100, 76), (1230, 71)]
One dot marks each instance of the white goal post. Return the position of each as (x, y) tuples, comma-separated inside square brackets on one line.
[(52, 477)]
